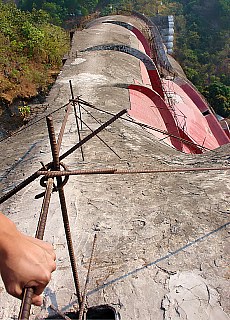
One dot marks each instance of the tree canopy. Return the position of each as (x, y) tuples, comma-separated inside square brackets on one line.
[(31, 48)]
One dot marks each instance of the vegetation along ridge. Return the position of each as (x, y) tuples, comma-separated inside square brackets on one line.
[(34, 39)]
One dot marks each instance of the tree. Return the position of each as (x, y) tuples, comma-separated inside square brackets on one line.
[(218, 96)]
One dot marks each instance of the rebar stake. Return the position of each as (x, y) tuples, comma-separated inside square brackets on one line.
[(28, 292), (76, 117), (56, 162), (82, 308)]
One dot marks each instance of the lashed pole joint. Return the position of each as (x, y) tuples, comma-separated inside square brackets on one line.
[(36, 174)]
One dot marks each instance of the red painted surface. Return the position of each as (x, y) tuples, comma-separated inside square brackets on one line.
[(151, 77), (156, 82), (179, 112), (142, 39), (214, 125), (143, 110), (189, 117), (144, 73), (149, 108)]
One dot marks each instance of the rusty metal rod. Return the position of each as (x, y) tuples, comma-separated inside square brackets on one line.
[(94, 133), (90, 114), (61, 133), (55, 154), (76, 118), (87, 279), (60, 313), (19, 187), (35, 175), (123, 171), (75, 172), (44, 211), (79, 109), (28, 292)]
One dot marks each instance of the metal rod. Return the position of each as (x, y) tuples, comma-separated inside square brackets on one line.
[(117, 171), (44, 211), (105, 143), (61, 133), (94, 133), (76, 118), (28, 292), (59, 312), (82, 308), (19, 187), (35, 175), (75, 172), (65, 217), (79, 109), (90, 114)]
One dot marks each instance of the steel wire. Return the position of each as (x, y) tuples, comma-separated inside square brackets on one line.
[(145, 126)]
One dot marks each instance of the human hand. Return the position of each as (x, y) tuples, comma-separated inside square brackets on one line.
[(25, 262)]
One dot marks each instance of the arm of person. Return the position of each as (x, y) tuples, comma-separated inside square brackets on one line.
[(24, 261)]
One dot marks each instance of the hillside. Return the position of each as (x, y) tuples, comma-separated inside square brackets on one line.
[(31, 51)]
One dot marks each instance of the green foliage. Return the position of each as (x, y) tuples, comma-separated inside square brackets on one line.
[(24, 111), (218, 95), (29, 46), (55, 11), (202, 47), (59, 9)]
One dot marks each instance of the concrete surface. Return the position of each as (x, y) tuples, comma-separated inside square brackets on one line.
[(163, 239)]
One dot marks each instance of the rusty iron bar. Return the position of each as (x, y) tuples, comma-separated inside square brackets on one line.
[(56, 162), (61, 133), (44, 212), (76, 118), (36, 174), (19, 187), (94, 133), (79, 109), (28, 292), (145, 126), (60, 313), (105, 143), (75, 172), (90, 114), (123, 171), (82, 308)]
